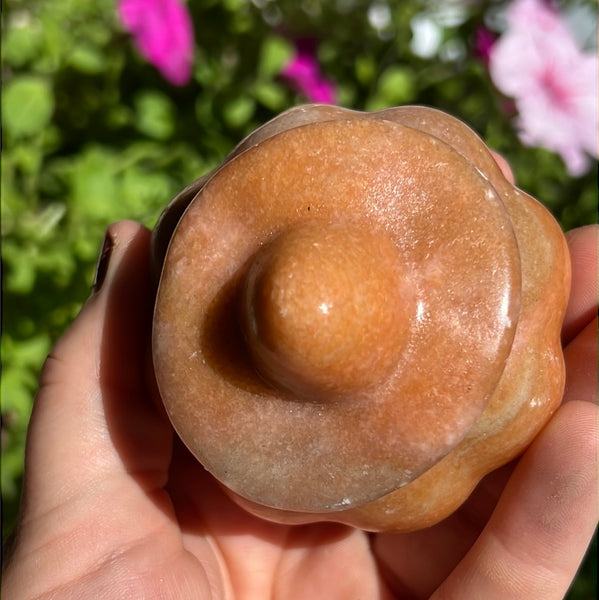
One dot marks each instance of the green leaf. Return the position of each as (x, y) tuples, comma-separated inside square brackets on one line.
[(88, 59), (26, 353), (365, 68), (234, 5), (27, 157), (93, 185), (19, 276), (154, 115), (143, 191), (12, 468), (21, 44), (270, 94), (397, 85), (239, 111), (28, 105), (275, 53)]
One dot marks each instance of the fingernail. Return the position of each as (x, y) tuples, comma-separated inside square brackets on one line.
[(103, 260)]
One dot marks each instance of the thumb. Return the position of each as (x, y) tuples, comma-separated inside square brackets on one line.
[(92, 418)]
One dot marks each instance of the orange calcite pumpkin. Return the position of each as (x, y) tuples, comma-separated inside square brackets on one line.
[(358, 317)]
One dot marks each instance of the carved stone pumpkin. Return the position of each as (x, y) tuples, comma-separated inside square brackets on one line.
[(358, 317)]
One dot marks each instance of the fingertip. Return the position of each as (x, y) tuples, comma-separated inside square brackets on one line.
[(504, 166), (119, 237), (583, 244), (122, 237), (582, 357), (543, 523)]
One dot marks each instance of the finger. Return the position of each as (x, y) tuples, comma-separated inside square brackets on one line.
[(504, 166), (76, 436), (416, 563), (582, 358), (582, 307), (539, 532)]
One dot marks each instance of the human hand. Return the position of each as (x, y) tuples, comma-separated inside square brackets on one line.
[(115, 507)]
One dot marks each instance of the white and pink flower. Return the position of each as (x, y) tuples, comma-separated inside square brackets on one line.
[(553, 82)]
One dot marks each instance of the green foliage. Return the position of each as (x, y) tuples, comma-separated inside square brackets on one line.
[(93, 134), (28, 105)]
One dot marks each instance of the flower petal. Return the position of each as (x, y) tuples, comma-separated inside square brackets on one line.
[(553, 83), (163, 34)]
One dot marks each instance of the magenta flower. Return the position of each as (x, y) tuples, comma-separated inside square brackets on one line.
[(484, 39), (305, 76), (163, 34), (553, 83)]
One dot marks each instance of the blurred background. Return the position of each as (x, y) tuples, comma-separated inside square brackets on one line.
[(110, 107)]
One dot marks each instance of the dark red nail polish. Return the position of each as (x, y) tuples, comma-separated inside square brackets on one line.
[(103, 260)]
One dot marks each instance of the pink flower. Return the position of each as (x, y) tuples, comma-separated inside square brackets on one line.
[(163, 34), (305, 75), (553, 83)]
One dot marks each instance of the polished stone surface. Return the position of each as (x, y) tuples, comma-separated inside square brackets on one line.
[(358, 317)]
